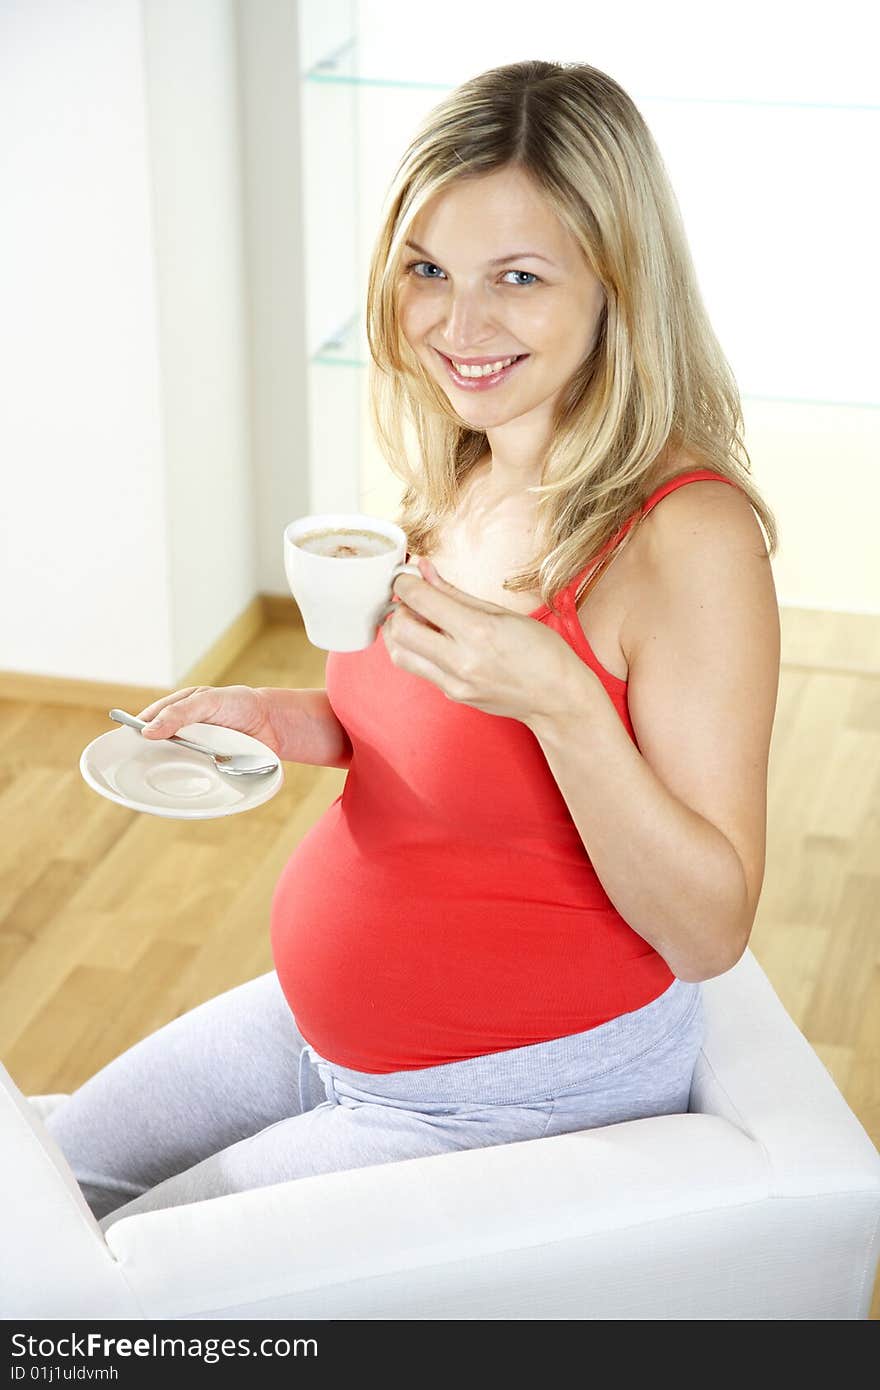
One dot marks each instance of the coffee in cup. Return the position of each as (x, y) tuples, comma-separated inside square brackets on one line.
[(345, 543), (340, 567)]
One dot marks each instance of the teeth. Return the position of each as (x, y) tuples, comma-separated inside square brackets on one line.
[(489, 370)]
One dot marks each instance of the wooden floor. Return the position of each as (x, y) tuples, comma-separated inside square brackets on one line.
[(112, 922)]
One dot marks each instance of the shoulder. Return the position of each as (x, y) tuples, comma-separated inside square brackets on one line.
[(696, 528), (702, 552), (703, 507), (702, 588)]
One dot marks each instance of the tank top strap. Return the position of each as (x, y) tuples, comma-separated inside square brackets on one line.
[(696, 475), (572, 592)]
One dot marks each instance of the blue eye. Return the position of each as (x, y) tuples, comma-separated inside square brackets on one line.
[(413, 268)]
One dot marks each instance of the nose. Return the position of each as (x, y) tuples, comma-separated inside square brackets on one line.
[(469, 323)]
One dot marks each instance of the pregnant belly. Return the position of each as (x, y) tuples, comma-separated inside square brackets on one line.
[(413, 958)]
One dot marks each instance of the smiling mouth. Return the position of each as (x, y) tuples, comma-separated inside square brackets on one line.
[(481, 380)]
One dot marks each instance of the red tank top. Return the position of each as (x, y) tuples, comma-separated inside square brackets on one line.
[(444, 905)]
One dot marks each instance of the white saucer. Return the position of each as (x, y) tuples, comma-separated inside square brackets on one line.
[(164, 779)]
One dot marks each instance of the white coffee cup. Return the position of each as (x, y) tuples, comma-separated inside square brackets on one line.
[(343, 598)]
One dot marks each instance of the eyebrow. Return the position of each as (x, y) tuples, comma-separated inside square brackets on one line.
[(499, 260)]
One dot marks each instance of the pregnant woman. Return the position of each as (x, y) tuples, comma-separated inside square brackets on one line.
[(553, 825)]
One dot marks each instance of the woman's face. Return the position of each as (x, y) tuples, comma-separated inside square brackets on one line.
[(489, 272)]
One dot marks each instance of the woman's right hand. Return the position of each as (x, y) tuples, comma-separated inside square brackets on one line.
[(233, 706)]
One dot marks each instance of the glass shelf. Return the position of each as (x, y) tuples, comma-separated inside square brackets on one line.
[(366, 62), (347, 348), (345, 67)]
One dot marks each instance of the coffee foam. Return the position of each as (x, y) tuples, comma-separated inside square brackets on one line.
[(338, 543)]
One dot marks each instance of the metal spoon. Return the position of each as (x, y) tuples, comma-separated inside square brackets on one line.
[(235, 764)]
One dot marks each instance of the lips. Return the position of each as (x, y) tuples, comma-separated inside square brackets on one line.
[(481, 383)]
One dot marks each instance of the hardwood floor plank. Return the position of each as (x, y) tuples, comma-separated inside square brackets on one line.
[(862, 1090), (845, 787), (138, 1007), (61, 1028), (13, 715), (864, 706), (48, 797), (791, 955), (44, 898), (102, 1011), (841, 992), (38, 972)]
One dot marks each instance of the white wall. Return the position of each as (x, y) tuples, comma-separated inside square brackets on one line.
[(85, 564), (192, 105), (136, 528), (271, 98)]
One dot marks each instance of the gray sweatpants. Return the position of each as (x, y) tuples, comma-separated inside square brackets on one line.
[(229, 1096)]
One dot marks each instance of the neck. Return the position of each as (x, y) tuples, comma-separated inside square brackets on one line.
[(510, 465)]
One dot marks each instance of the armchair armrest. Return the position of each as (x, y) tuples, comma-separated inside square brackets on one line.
[(582, 1225), (55, 1259), (759, 1072)]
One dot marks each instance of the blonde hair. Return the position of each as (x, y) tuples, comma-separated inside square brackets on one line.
[(656, 382)]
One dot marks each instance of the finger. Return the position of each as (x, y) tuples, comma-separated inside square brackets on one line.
[(193, 709), (398, 606), (418, 666), (448, 608), (406, 659), (157, 705), (410, 637), (162, 724)]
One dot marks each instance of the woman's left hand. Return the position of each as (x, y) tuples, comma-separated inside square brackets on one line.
[(478, 653)]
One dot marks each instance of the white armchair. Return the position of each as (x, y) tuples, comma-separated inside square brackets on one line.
[(762, 1202)]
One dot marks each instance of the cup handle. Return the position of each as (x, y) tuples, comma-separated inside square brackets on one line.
[(411, 567)]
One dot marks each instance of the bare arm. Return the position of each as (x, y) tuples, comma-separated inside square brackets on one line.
[(675, 827), (305, 729)]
